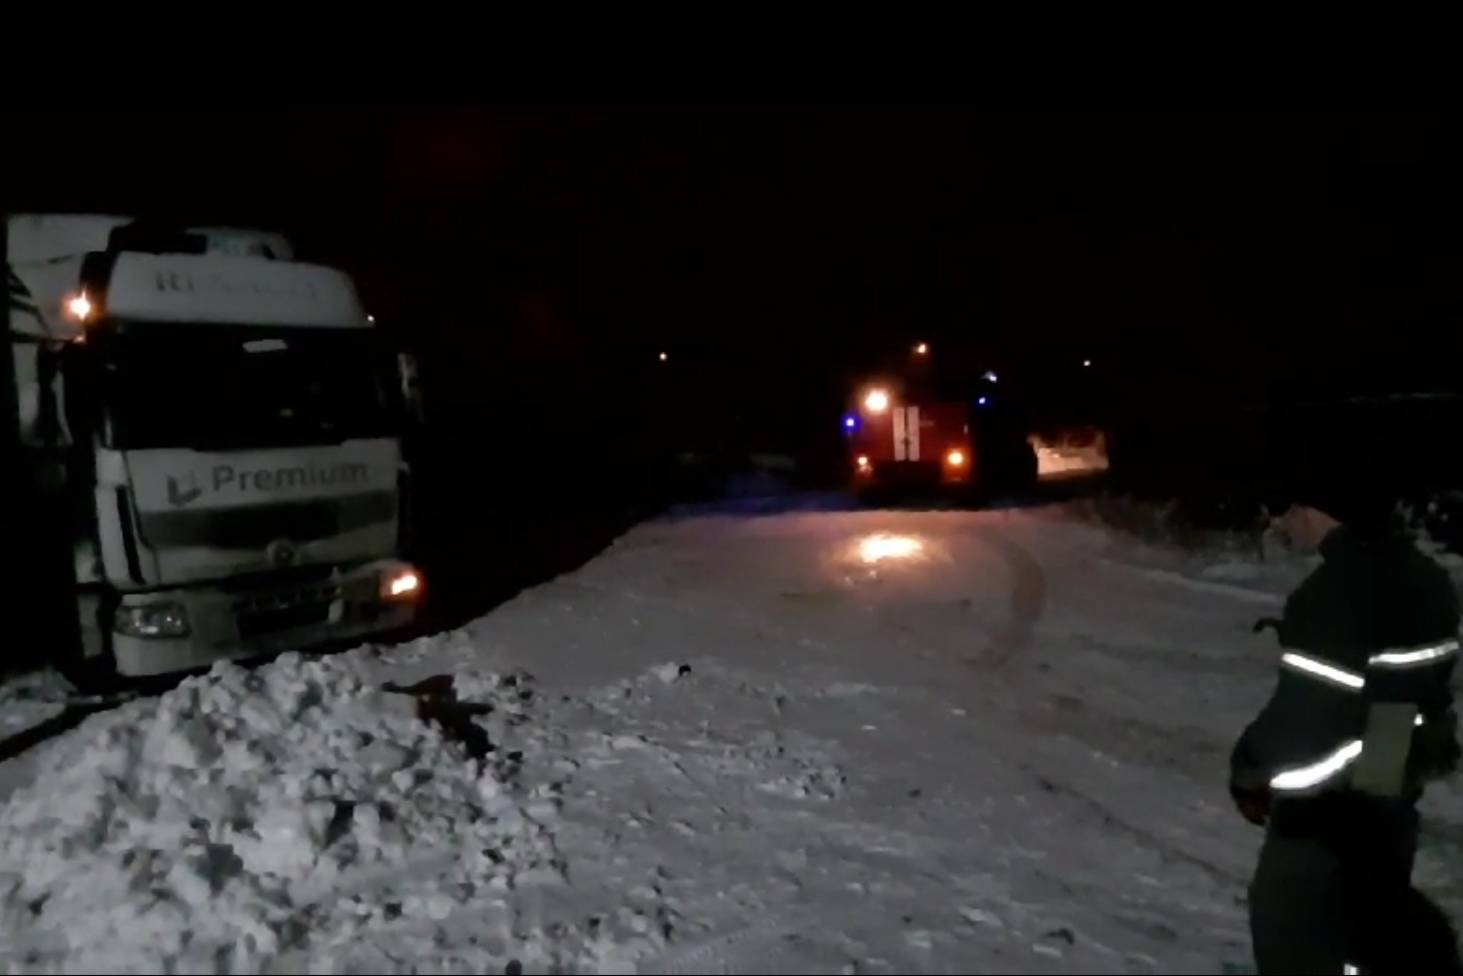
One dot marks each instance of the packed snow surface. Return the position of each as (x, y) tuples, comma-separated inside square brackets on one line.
[(811, 741)]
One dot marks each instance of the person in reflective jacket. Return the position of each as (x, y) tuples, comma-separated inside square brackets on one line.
[(1360, 719)]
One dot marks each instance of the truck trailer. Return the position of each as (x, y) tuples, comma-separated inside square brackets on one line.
[(208, 442)]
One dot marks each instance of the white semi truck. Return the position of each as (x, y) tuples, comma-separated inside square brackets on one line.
[(208, 437)]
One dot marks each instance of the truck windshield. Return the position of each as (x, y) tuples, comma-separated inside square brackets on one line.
[(215, 388)]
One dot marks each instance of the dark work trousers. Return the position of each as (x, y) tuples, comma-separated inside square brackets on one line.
[(1335, 888)]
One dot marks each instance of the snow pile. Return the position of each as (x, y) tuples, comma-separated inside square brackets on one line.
[(1436, 533), (288, 816), (1207, 527)]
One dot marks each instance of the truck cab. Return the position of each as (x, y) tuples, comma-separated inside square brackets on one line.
[(919, 430), (898, 440), (211, 433)]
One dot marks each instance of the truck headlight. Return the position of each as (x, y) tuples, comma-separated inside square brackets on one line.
[(152, 620), (400, 586)]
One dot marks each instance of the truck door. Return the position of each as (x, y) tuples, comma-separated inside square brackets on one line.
[(906, 433)]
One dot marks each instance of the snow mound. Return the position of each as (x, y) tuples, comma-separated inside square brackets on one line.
[(293, 815)]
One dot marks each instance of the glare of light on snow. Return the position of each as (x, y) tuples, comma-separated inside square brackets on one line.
[(877, 401), (80, 307), (882, 547)]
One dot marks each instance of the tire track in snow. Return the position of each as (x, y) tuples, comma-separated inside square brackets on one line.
[(731, 617), (1027, 603), (1148, 839), (1242, 593)]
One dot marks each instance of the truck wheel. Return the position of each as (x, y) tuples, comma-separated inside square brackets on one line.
[(95, 676), (872, 496), (1026, 466), (975, 495)]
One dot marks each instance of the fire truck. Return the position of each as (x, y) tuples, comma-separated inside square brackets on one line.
[(909, 433), (208, 436)]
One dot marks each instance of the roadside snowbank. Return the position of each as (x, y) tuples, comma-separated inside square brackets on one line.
[(219, 825), (310, 815)]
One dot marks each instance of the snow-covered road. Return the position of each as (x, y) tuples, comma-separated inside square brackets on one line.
[(810, 741)]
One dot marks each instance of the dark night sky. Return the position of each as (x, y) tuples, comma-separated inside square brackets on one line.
[(790, 246)]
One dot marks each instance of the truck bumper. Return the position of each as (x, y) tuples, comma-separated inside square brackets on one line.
[(228, 621), (915, 474)]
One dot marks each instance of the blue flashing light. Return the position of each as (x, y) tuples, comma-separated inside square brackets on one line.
[(850, 422), (983, 401)]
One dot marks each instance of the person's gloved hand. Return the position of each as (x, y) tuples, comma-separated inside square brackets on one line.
[(1253, 805)]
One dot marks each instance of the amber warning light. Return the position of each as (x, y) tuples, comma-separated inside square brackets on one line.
[(402, 586), (79, 307)]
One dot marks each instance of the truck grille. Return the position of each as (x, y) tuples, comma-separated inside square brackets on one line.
[(276, 610), (255, 526)]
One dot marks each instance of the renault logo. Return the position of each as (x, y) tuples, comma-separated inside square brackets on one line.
[(183, 490)]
